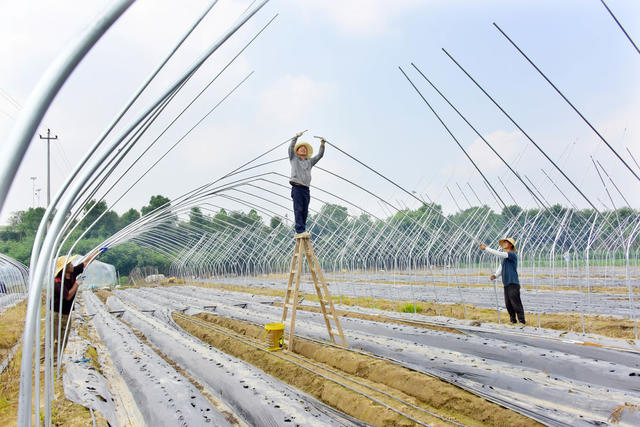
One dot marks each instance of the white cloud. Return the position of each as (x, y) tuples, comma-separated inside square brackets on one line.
[(508, 144), (292, 99), (360, 17)]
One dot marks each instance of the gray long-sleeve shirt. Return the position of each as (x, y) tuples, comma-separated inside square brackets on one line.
[(301, 169)]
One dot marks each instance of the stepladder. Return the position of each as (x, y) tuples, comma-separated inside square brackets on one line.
[(304, 249)]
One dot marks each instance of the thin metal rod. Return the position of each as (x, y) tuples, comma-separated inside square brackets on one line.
[(20, 138), (479, 134), (44, 265), (558, 188), (40, 233), (452, 136), (568, 102), (522, 130), (633, 158), (621, 27), (614, 184), (613, 205), (511, 195), (472, 237)]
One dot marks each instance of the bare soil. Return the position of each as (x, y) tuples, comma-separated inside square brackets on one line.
[(11, 327), (64, 412)]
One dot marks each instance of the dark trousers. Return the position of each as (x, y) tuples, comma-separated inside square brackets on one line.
[(301, 197), (57, 318), (513, 303)]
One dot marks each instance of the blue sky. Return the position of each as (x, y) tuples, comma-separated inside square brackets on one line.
[(331, 66)]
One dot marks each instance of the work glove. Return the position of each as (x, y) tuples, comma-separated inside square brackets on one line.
[(299, 134), (104, 249)]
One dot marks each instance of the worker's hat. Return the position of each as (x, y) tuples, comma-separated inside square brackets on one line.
[(510, 240), (306, 144), (62, 261)]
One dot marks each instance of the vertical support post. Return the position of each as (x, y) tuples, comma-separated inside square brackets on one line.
[(49, 138)]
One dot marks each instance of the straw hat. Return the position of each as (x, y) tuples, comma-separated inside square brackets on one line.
[(510, 240), (306, 144), (62, 261)]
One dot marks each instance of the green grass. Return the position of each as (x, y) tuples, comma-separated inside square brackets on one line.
[(411, 308)]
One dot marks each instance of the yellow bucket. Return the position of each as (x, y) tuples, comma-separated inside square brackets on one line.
[(274, 336)]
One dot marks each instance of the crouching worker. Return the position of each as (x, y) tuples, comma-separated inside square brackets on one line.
[(301, 163), (509, 271), (68, 290)]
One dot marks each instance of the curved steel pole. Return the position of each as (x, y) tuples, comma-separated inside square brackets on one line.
[(47, 88), (44, 260)]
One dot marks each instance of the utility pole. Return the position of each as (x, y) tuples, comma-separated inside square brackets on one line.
[(48, 138), (33, 192), (38, 196)]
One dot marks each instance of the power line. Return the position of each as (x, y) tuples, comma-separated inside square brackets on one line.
[(11, 99)]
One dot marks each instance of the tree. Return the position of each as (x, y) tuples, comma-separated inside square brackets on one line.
[(109, 224), (129, 217), (253, 218), (275, 222), (106, 225), (329, 219), (29, 220), (511, 211), (196, 218), (154, 203)]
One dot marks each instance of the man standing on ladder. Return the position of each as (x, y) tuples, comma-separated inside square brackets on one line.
[(301, 163)]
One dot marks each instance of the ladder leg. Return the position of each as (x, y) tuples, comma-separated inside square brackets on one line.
[(294, 303), (325, 290), (314, 269), (287, 295)]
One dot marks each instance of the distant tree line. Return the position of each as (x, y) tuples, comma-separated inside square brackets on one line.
[(16, 239)]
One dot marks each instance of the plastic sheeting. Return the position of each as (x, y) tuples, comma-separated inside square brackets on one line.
[(163, 396), (98, 274), (256, 397), (13, 282), (84, 385), (534, 300), (554, 381), (8, 301)]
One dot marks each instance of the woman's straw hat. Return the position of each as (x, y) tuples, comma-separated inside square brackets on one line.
[(510, 240), (306, 144), (62, 261)]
